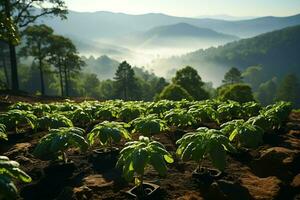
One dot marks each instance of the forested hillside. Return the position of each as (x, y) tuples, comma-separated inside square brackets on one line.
[(116, 34), (277, 52)]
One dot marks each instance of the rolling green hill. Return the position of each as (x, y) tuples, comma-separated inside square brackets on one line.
[(176, 36), (277, 52)]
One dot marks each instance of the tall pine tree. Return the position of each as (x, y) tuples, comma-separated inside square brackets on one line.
[(125, 84), (189, 79), (233, 76), (289, 90), (37, 45)]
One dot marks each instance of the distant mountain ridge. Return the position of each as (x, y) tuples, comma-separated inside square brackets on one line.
[(103, 33), (108, 24), (277, 52), (185, 30), (226, 17), (178, 35)]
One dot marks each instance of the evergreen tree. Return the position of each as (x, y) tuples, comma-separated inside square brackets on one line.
[(125, 84), (3, 64), (105, 89), (289, 90), (160, 85), (254, 76), (233, 76), (189, 79), (266, 92), (91, 85), (64, 56), (37, 45), (29, 76)]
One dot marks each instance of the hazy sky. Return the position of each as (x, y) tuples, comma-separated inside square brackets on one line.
[(191, 7)]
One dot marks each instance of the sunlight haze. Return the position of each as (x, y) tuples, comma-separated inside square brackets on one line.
[(190, 8)]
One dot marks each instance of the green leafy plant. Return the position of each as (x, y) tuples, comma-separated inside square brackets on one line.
[(272, 117), (160, 107), (279, 110), (229, 110), (267, 123), (106, 113), (39, 109), (55, 144), (129, 113), (21, 106), (108, 132), (148, 125), (179, 118), (3, 134), (137, 155), (53, 121), (251, 109), (205, 143), (243, 133), (10, 170), (67, 106), (81, 117), (14, 119), (203, 113)]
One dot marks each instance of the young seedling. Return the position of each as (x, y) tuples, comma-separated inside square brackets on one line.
[(107, 133), (251, 109), (129, 113), (106, 112), (149, 125), (58, 141), (3, 135), (137, 155), (267, 122), (229, 110), (243, 133), (81, 117), (204, 143), (53, 121), (14, 119), (40, 109), (21, 106), (160, 107), (10, 170), (278, 113), (204, 113), (179, 118)]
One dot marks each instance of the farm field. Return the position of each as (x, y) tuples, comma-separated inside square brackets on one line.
[(191, 149)]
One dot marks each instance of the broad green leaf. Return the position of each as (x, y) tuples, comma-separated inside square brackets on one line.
[(218, 156), (168, 158), (233, 135)]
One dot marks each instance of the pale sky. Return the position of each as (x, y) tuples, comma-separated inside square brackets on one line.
[(191, 8)]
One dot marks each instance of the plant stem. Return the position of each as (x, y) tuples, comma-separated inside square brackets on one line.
[(111, 145), (200, 164), (141, 185), (65, 157)]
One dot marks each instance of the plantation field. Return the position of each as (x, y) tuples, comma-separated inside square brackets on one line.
[(192, 150)]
